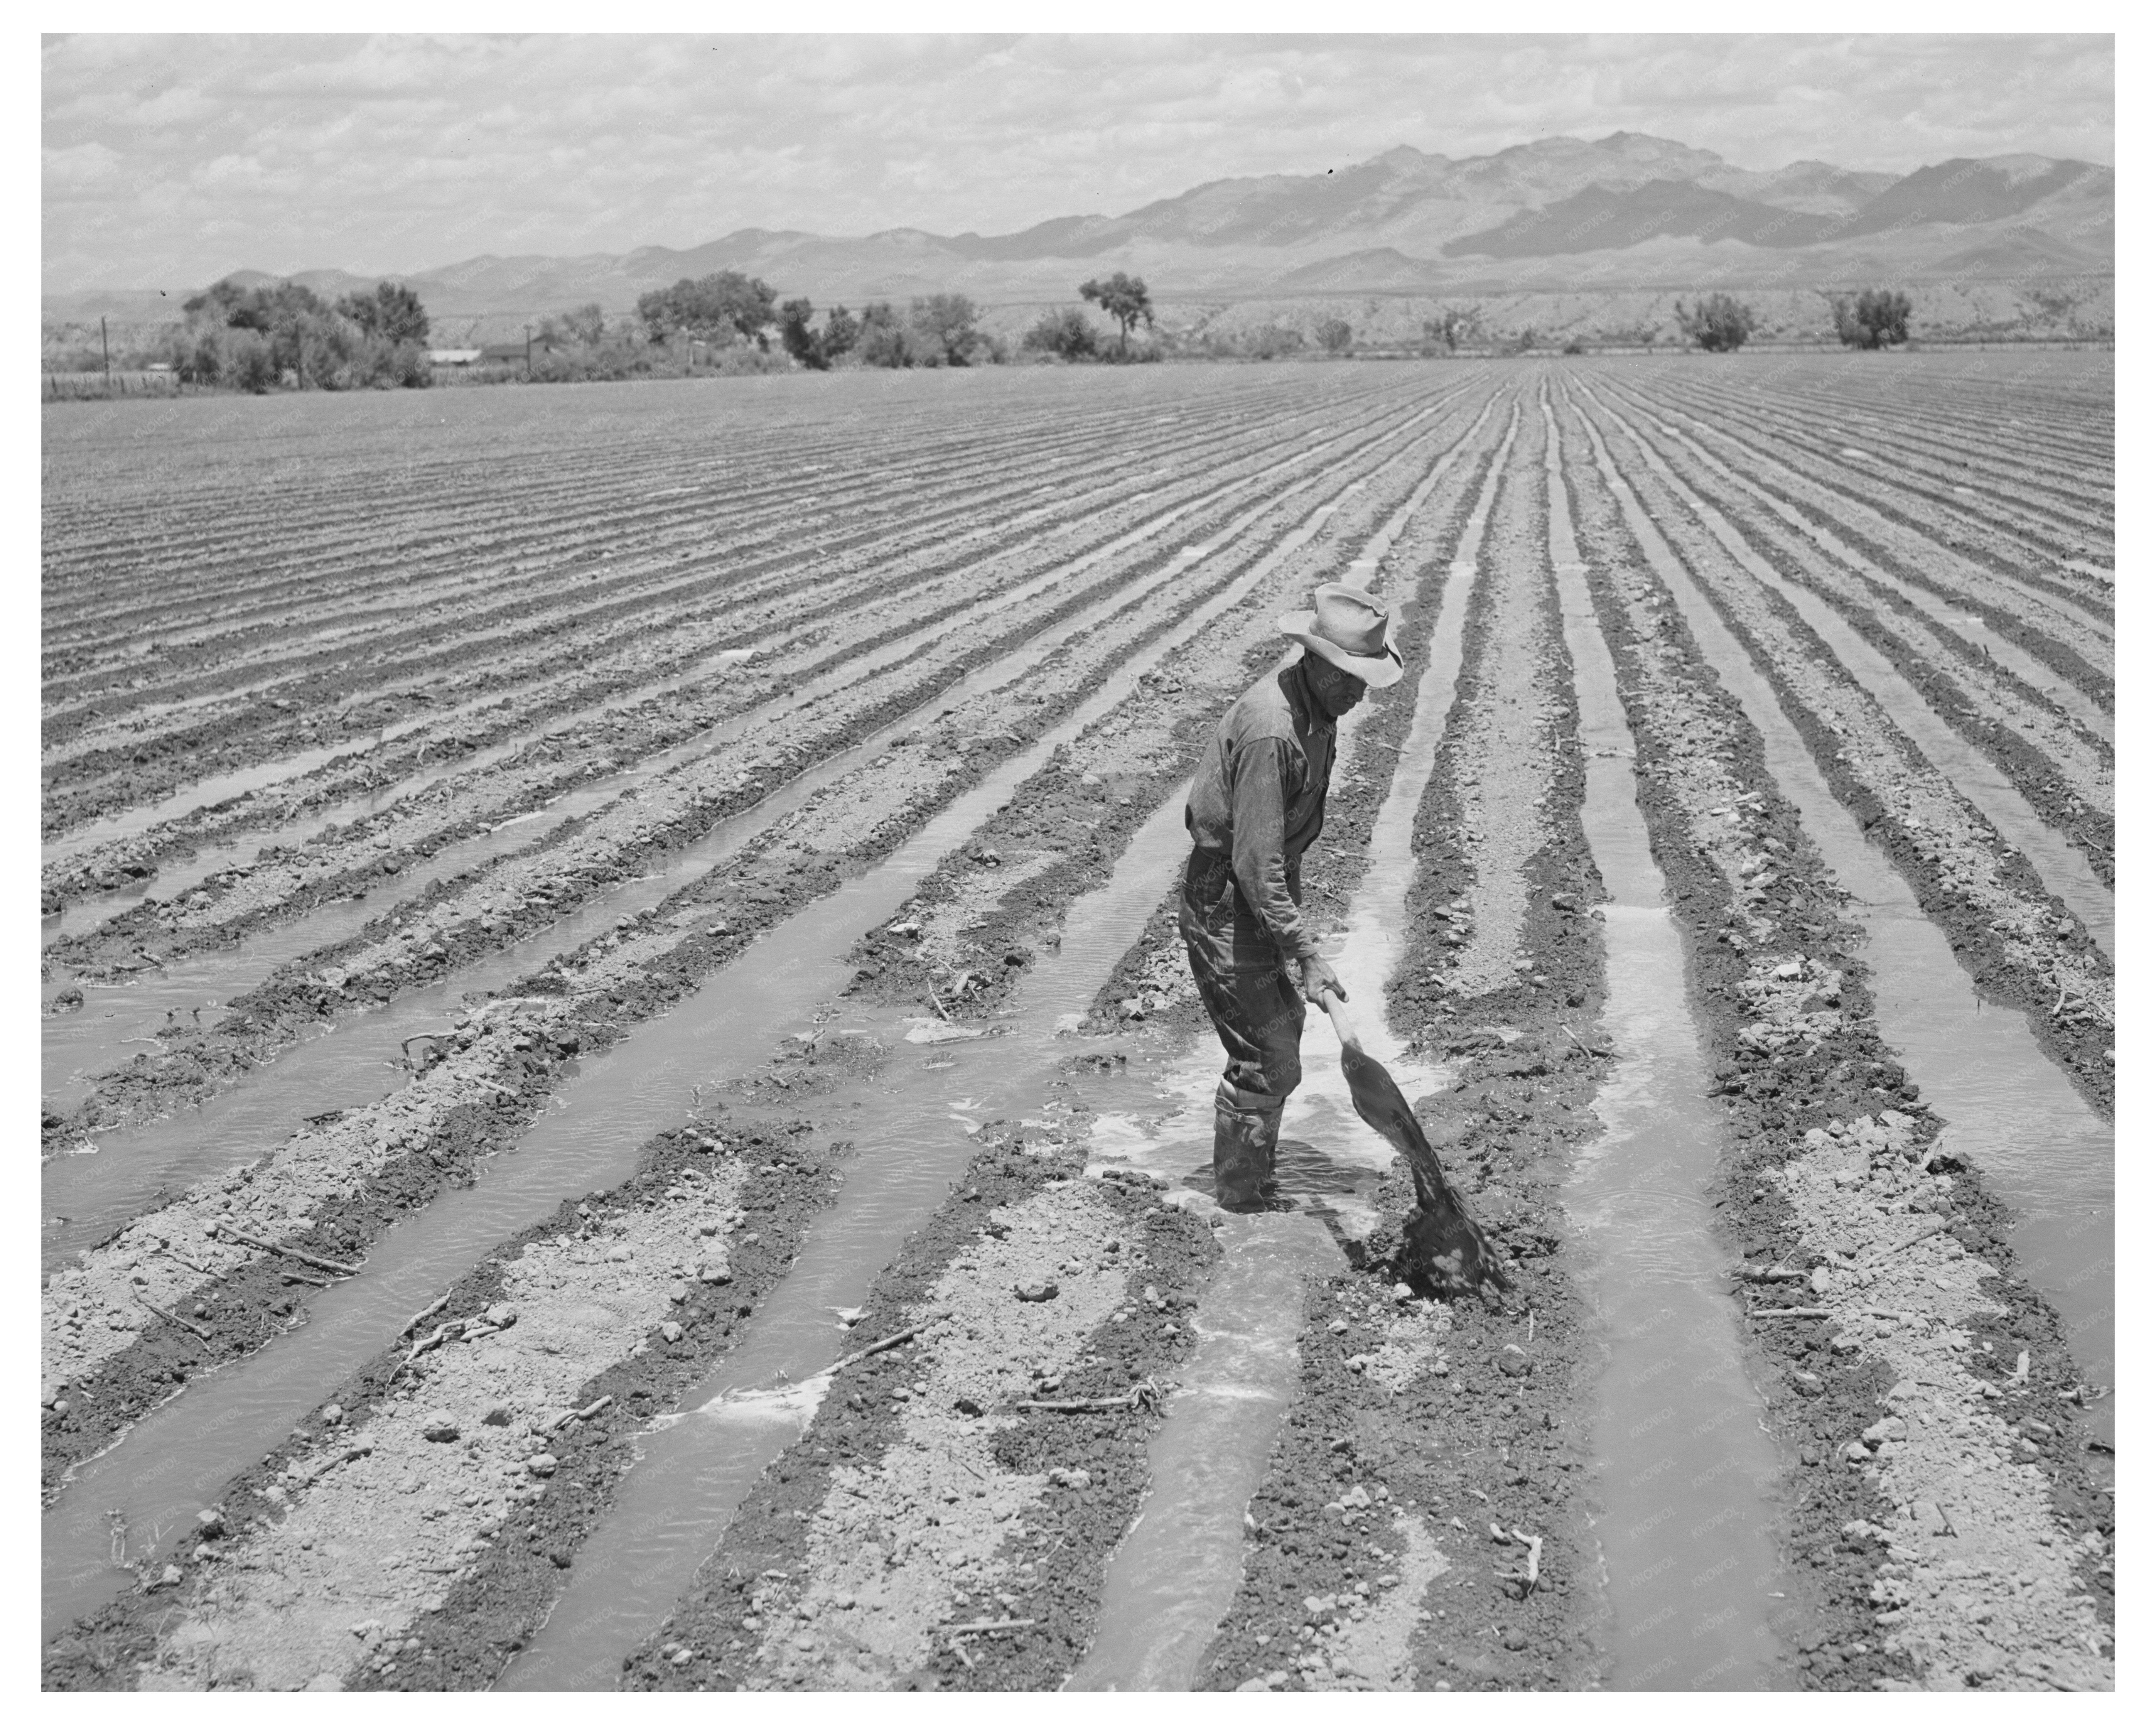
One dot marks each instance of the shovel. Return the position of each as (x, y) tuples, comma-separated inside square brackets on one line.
[(1443, 1241)]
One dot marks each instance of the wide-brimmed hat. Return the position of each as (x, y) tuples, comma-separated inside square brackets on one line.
[(1347, 628)]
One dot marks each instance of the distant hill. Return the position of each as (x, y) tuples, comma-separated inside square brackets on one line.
[(1624, 212)]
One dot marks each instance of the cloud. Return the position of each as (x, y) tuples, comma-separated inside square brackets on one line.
[(168, 160)]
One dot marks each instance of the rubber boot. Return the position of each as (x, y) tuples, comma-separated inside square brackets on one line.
[(1243, 1141)]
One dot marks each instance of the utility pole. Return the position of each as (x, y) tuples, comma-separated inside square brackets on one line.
[(527, 353), (105, 342)]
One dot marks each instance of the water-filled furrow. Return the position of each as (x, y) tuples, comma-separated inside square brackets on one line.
[(2063, 869), (895, 488), (354, 1066), (693, 1473), (130, 823), (1943, 612), (1904, 452), (589, 1136), (2075, 611), (1171, 1581), (2002, 505), (2010, 1110), (1684, 1470), (519, 841)]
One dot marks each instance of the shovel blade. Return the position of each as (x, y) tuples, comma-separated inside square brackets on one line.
[(1443, 1241)]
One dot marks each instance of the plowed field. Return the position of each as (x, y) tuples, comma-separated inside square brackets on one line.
[(612, 1020)]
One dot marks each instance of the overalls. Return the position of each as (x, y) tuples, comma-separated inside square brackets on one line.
[(1257, 803)]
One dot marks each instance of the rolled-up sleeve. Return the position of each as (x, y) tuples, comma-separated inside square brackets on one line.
[(1263, 777)]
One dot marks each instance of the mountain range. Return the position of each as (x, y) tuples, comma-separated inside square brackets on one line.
[(1561, 213)]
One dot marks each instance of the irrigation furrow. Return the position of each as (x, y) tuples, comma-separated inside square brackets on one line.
[(524, 889), (518, 683), (2015, 943), (1837, 1164), (2004, 801)]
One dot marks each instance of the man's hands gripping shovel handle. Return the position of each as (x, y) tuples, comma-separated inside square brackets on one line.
[(1443, 1241)]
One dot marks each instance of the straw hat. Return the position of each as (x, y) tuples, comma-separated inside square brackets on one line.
[(1347, 628)]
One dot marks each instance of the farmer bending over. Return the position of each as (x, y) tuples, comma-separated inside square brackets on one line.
[(1256, 804)]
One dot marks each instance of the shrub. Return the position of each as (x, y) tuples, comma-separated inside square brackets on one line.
[(1273, 341), (1066, 334), (1718, 324), (1879, 318), (1336, 335), (1575, 346)]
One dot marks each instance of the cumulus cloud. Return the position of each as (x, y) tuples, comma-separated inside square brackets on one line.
[(169, 160)]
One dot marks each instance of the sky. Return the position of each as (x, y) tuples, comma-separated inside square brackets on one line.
[(168, 160)]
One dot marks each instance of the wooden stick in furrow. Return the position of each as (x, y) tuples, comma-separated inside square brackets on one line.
[(488, 913)]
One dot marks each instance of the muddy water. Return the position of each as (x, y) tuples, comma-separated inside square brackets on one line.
[(912, 1126), (1174, 1577), (1684, 1471), (2008, 1110)]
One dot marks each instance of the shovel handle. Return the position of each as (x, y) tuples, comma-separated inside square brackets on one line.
[(1337, 1010)]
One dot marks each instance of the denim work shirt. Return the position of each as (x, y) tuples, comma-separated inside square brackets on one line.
[(1257, 803)]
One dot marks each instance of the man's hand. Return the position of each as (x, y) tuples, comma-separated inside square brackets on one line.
[(1316, 978)]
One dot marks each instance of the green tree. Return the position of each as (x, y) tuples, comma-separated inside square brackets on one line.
[(1123, 298), (944, 323), (722, 307), (1336, 335), (586, 326), (1066, 334), (1879, 317), (815, 348), (884, 338), (1719, 323), (392, 312), (1453, 325)]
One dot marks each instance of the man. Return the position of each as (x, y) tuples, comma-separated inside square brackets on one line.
[(1256, 804)]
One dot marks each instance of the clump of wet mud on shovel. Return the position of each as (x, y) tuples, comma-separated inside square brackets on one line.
[(498, 1582), (945, 1520)]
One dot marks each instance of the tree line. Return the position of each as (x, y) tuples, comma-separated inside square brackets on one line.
[(256, 338)]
